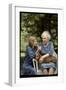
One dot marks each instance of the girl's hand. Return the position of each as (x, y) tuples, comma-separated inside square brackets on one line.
[(39, 47)]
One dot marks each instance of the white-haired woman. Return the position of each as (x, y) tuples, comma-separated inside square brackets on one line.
[(47, 49)]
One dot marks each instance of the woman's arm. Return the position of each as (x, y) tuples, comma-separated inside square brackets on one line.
[(50, 52), (43, 57), (51, 48)]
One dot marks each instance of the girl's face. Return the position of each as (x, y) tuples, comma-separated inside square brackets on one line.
[(35, 42), (32, 41), (45, 39)]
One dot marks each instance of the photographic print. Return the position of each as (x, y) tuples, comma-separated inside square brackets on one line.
[(38, 44), (35, 44)]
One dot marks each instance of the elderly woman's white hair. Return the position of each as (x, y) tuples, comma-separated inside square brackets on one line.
[(46, 33)]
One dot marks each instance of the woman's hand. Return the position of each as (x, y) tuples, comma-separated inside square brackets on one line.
[(43, 57)]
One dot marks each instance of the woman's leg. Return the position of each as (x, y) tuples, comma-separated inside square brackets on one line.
[(56, 72), (51, 71), (48, 68), (45, 72)]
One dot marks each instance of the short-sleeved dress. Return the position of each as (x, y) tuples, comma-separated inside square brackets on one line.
[(50, 50), (28, 68)]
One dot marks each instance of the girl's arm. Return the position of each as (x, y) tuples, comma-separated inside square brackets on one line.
[(30, 52)]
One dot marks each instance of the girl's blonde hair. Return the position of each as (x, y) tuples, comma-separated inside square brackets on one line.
[(31, 40)]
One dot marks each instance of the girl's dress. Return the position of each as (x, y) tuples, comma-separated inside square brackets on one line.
[(28, 68)]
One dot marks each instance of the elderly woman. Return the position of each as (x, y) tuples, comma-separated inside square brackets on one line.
[(28, 68), (47, 49)]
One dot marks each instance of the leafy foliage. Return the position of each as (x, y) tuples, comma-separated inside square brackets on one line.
[(35, 24)]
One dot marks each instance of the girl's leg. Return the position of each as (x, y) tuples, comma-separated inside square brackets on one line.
[(28, 70), (51, 71)]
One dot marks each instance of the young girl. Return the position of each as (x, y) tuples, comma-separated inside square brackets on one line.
[(28, 68)]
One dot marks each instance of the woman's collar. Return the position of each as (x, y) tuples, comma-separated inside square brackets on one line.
[(45, 44)]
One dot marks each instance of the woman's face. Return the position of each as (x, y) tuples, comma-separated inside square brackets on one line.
[(45, 39)]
